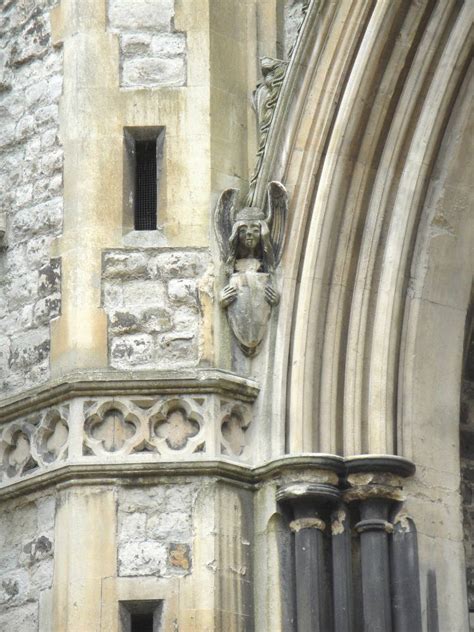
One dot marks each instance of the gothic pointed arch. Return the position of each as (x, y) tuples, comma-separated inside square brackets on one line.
[(357, 135)]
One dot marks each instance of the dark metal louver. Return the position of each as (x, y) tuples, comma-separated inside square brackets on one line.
[(145, 185)]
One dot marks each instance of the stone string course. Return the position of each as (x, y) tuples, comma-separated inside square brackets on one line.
[(152, 52), (31, 160), (153, 301)]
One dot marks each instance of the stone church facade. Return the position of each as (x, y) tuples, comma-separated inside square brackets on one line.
[(236, 316)]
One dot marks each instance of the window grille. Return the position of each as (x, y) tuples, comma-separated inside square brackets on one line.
[(145, 185)]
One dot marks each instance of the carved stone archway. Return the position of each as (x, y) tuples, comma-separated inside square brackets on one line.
[(371, 137)]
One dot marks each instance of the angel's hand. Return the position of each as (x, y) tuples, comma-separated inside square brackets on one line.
[(271, 296), (228, 295)]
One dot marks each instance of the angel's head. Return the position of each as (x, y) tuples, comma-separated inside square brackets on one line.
[(252, 232), (250, 237)]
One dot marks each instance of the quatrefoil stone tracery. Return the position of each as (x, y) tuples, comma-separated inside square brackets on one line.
[(176, 426), (113, 428)]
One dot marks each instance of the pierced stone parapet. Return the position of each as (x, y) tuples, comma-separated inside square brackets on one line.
[(34, 442), (205, 416), (235, 420)]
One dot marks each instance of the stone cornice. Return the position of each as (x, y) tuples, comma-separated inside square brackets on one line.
[(153, 472), (136, 383)]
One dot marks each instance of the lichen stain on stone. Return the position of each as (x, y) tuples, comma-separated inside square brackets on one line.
[(440, 225), (337, 526), (242, 570), (212, 566), (10, 587), (179, 556), (403, 520), (296, 490)]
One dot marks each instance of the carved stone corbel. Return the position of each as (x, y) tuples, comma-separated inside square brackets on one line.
[(251, 243)]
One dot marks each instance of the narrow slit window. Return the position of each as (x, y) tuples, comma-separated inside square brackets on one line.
[(143, 177), (145, 185), (140, 616)]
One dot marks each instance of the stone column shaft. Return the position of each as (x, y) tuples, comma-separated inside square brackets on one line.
[(311, 578), (342, 571), (311, 503), (374, 530), (405, 576)]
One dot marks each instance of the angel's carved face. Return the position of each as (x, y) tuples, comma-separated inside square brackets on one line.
[(250, 234)]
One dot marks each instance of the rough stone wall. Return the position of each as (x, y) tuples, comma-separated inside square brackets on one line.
[(26, 562), (31, 161), (152, 299), (152, 52), (155, 530)]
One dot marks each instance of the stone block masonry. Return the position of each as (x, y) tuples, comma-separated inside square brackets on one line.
[(153, 301), (155, 530), (31, 161), (152, 53), (26, 561)]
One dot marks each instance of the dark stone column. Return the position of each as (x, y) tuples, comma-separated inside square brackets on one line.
[(375, 484), (342, 570), (311, 504), (374, 530), (406, 598)]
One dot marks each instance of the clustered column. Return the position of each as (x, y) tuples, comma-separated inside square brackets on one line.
[(364, 502), (310, 505), (388, 549)]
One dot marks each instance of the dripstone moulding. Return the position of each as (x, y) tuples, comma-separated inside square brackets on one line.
[(251, 243)]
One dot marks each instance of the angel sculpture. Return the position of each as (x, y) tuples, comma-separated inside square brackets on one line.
[(251, 244)]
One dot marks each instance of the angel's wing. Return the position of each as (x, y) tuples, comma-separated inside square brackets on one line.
[(224, 219), (277, 199)]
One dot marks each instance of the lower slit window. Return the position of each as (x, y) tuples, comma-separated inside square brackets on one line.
[(140, 616), (142, 623)]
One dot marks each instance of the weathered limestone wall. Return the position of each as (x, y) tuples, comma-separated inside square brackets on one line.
[(155, 530), (184, 542), (31, 161), (154, 302), (152, 51), (26, 563)]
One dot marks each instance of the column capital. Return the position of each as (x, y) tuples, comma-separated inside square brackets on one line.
[(376, 477), (304, 491)]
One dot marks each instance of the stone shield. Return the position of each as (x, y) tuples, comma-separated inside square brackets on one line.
[(249, 314)]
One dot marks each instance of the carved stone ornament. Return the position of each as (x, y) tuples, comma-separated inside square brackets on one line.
[(235, 420), (15, 450), (251, 243), (265, 99)]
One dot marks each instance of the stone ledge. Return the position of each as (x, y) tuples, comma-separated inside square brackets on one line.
[(126, 383), (150, 473)]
